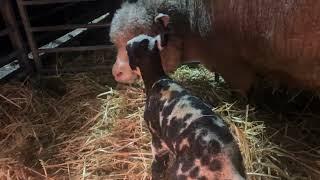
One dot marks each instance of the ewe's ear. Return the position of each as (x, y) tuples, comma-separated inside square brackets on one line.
[(164, 19)]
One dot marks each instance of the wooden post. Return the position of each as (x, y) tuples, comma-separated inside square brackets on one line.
[(27, 28)]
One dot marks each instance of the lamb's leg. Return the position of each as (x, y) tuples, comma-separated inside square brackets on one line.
[(160, 158)]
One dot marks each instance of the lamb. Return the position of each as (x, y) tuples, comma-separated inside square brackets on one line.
[(181, 124)]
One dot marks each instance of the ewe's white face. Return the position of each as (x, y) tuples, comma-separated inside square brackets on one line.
[(128, 22)]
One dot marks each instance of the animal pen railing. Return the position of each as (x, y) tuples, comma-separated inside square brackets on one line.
[(36, 51), (30, 30), (12, 31)]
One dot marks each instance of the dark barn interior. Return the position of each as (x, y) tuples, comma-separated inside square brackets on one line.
[(63, 116), (45, 21)]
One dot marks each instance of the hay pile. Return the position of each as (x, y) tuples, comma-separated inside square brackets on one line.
[(96, 132)]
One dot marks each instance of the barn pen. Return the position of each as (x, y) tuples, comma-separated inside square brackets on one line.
[(69, 119)]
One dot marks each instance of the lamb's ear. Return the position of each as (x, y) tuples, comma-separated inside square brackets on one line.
[(161, 42), (132, 62), (164, 19)]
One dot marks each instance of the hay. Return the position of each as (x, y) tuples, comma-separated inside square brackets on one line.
[(97, 132)]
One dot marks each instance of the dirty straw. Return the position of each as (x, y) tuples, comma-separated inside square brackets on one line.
[(97, 132)]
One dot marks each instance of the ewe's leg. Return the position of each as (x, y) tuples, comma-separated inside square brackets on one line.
[(160, 158)]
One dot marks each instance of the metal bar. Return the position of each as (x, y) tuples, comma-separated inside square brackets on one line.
[(80, 48), (75, 70), (27, 27), (14, 33), (42, 2), (66, 27), (4, 32), (9, 58)]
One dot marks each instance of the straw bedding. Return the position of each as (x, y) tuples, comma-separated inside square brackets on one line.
[(95, 131)]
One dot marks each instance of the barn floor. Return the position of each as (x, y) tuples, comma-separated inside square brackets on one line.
[(89, 128)]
